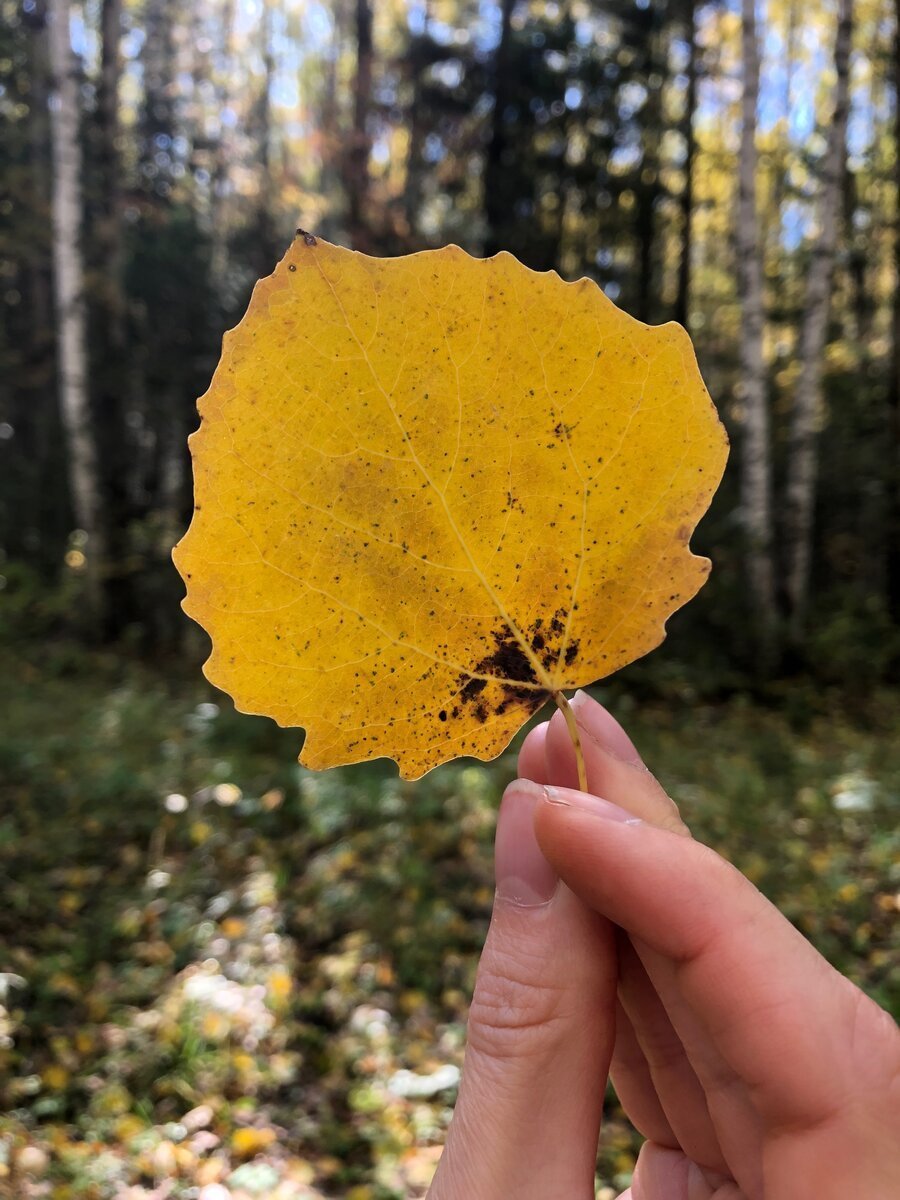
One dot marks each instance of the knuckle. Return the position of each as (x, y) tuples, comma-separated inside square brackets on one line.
[(516, 1011)]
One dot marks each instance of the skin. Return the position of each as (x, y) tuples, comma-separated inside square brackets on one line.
[(620, 946)]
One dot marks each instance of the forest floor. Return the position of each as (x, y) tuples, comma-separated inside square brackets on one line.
[(224, 976)]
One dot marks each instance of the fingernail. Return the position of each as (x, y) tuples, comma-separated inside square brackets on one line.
[(569, 798), (523, 875)]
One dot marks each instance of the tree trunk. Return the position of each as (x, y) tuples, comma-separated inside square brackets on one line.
[(356, 157), (495, 190), (418, 126), (756, 461), (157, 119), (648, 187), (40, 287), (110, 371), (267, 248), (40, 373), (682, 302), (805, 418), (70, 301), (106, 125), (219, 191), (893, 438)]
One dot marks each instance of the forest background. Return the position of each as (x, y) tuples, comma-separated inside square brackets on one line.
[(218, 970)]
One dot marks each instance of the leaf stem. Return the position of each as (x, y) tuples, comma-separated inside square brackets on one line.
[(571, 724)]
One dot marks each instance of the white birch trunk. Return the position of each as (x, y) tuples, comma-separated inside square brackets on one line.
[(756, 462), (71, 312), (807, 410)]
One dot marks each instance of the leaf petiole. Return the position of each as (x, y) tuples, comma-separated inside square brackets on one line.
[(572, 725)]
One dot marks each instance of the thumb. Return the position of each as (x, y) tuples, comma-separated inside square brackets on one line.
[(540, 1034)]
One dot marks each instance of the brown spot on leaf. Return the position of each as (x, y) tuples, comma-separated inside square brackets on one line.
[(472, 688), (513, 669), (508, 660)]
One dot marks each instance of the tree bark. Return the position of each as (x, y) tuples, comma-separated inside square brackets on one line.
[(756, 461), (805, 418), (682, 302), (71, 310), (356, 157)]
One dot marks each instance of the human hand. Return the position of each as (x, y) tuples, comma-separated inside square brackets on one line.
[(618, 944)]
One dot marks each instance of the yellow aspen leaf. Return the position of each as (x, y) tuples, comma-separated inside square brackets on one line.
[(432, 492)]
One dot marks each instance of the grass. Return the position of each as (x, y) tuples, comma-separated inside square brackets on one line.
[(216, 963)]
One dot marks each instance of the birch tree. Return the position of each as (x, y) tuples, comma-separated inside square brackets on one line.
[(756, 464), (71, 311), (806, 414)]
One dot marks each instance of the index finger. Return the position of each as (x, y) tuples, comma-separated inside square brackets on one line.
[(780, 1016)]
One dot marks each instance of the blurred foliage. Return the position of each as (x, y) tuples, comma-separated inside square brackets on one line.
[(220, 969), (220, 975)]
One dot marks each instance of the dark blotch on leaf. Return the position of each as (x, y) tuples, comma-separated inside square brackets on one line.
[(511, 666), (509, 660), (472, 689)]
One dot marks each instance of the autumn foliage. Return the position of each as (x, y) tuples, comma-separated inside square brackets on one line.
[(433, 491)]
